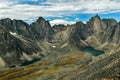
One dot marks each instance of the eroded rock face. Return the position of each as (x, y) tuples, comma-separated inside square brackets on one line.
[(112, 32), (42, 29), (21, 41), (105, 31), (12, 47), (60, 27), (17, 26), (97, 26), (96, 30), (78, 34)]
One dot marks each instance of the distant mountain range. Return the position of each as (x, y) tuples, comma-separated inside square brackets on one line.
[(22, 44)]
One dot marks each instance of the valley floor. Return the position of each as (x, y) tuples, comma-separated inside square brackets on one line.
[(71, 66)]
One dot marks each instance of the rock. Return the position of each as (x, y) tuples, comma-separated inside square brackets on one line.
[(17, 26), (42, 29), (78, 34), (12, 47)]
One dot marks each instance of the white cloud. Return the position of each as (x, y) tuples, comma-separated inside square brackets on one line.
[(56, 8), (85, 6), (61, 21), (77, 19)]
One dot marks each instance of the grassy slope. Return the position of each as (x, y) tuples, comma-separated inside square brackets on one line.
[(49, 69), (61, 64)]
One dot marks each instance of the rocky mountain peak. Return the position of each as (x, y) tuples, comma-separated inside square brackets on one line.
[(13, 46), (38, 30), (41, 19), (97, 25), (59, 27), (16, 26), (6, 19), (42, 29), (110, 22), (97, 16)]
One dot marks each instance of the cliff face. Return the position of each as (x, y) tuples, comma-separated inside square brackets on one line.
[(98, 25), (21, 42), (95, 31), (112, 32), (16, 26), (13, 47), (78, 34), (42, 29)]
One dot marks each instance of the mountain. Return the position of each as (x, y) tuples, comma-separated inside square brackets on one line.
[(112, 31), (79, 34), (16, 26), (42, 29), (20, 43), (39, 51), (14, 47)]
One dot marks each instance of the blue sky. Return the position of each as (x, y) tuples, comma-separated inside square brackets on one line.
[(59, 11)]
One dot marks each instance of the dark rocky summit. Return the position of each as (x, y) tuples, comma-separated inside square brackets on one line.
[(61, 52), (42, 29), (16, 26), (18, 40), (12, 48)]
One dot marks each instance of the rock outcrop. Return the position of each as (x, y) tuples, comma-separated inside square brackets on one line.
[(42, 29), (17, 26), (111, 34), (13, 47)]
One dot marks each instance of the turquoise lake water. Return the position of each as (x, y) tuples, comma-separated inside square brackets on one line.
[(93, 51)]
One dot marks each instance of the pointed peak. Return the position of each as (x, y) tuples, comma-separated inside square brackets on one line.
[(17, 20), (41, 19), (97, 16), (110, 20), (79, 22), (6, 19)]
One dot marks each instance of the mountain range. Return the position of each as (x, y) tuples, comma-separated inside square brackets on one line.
[(39, 51)]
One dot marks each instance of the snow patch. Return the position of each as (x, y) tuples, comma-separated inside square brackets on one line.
[(54, 46), (27, 57), (12, 33)]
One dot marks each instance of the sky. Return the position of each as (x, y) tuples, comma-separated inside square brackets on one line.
[(59, 11)]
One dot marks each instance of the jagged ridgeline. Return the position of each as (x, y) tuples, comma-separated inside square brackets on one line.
[(22, 42), (39, 51)]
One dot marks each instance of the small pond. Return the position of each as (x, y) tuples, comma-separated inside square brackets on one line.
[(29, 62), (93, 51)]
